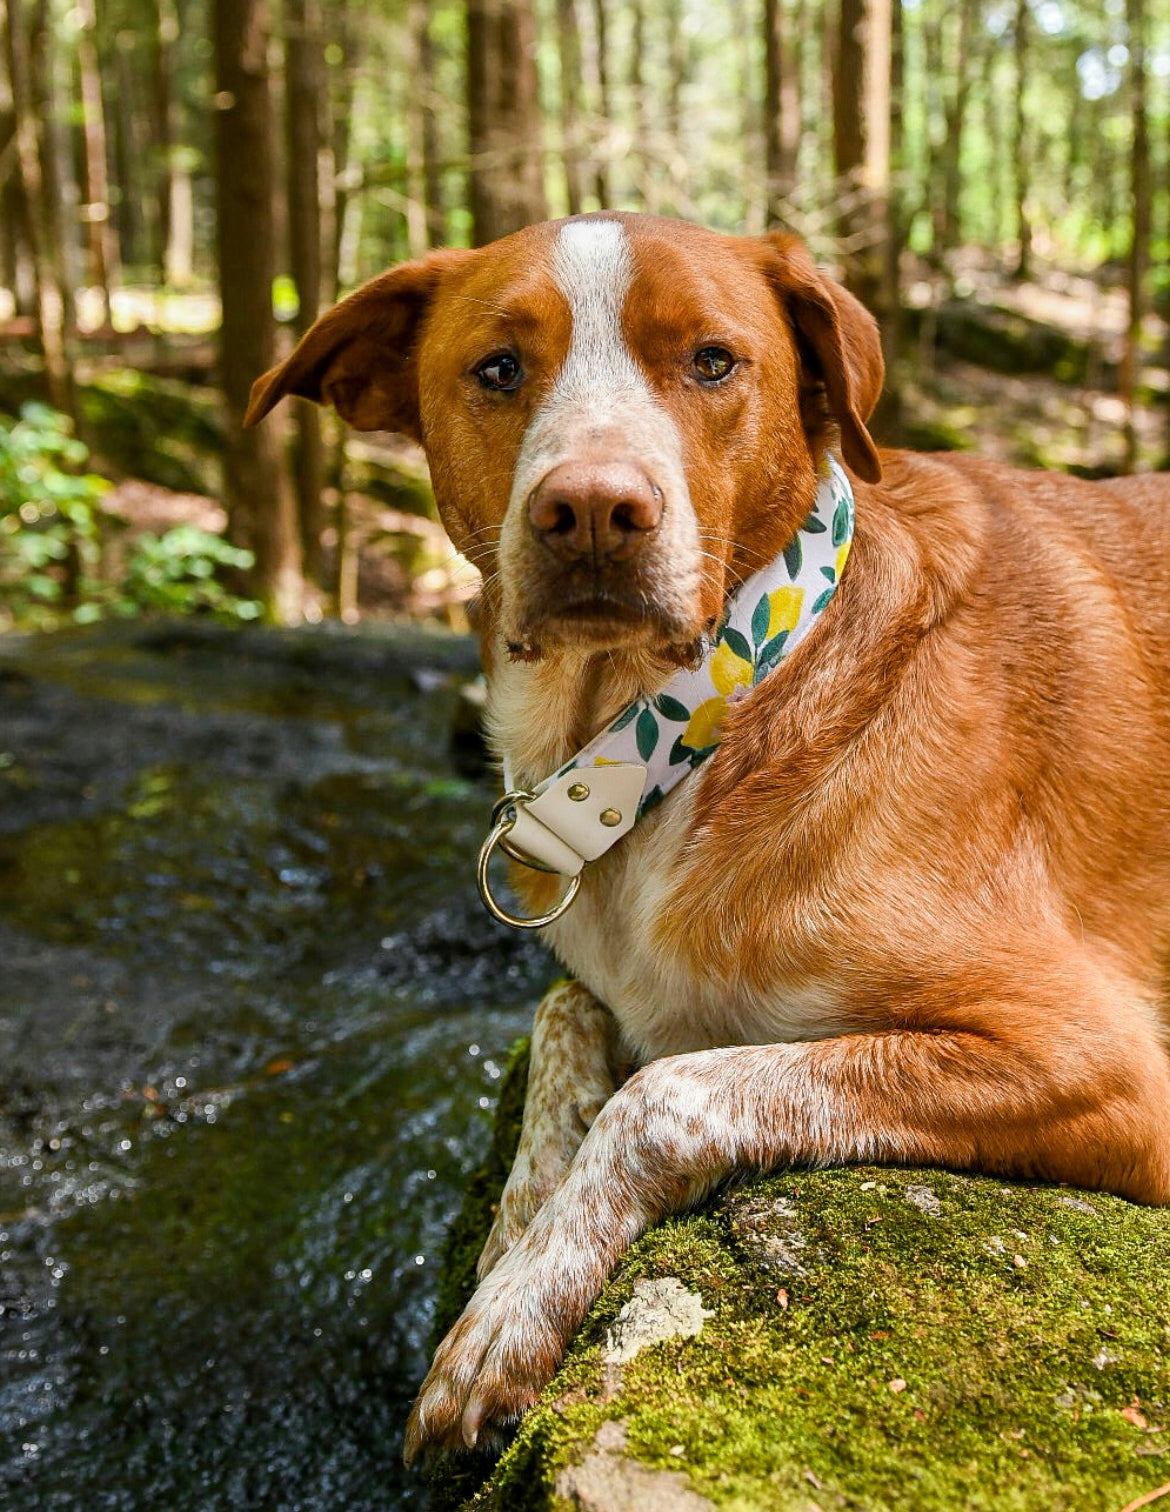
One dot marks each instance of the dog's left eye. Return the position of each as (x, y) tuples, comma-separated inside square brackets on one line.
[(713, 364), (502, 373)]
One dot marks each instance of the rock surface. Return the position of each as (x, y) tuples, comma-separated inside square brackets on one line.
[(874, 1339)]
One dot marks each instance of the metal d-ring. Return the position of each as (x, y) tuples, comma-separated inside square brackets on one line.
[(503, 819)]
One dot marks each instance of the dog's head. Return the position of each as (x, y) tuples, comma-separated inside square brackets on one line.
[(623, 415)]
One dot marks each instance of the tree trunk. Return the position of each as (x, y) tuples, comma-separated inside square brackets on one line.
[(1139, 248), (52, 328), (335, 193), (504, 118), (848, 76), (1020, 143), (436, 215), (956, 115), (640, 161), (781, 109), (861, 140), (569, 49), (303, 60), (103, 251), (601, 176), (257, 495)]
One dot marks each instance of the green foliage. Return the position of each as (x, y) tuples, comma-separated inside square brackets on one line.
[(175, 573), (51, 564), (48, 515)]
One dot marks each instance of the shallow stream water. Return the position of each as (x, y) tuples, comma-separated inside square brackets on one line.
[(252, 1020)]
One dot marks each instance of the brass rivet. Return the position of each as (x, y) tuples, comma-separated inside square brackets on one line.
[(610, 817), (578, 792)]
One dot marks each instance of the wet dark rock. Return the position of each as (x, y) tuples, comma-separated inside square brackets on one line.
[(251, 1023)]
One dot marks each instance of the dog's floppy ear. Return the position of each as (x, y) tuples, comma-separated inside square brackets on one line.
[(840, 344), (359, 357)]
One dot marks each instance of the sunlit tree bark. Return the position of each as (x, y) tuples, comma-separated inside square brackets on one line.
[(781, 106), (52, 293), (569, 52), (1139, 246), (302, 95), (257, 494), (504, 118)]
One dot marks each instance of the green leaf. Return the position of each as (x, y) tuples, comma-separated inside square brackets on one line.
[(646, 732), (761, 614), (738, 644), (823, 600), (670, 708), (770, 653), (841, 523), (624, 718), (814, 525), (794, 557), (830, 573)]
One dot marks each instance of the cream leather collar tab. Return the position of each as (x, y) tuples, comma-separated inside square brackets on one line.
[(588, 804)]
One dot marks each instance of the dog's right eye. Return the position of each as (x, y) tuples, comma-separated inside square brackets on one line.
[(502, 373)]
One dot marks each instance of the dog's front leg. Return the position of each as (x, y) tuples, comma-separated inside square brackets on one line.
[(574, 1065), (1081, 1107)]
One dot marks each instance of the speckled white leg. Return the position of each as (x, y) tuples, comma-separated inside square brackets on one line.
[(572, 1074)]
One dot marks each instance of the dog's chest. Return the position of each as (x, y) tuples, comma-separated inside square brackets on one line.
[(666, 1002)]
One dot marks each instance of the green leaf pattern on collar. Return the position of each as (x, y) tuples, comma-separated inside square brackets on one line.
[(763, 622)]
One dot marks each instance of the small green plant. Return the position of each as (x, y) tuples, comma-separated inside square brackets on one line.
[(175, 573), (49, 547), (50, 541)]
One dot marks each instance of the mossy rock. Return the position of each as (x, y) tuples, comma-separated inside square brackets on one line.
[(885, 1340)]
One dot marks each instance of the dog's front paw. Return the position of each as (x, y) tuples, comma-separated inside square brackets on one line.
[(488, 1371)]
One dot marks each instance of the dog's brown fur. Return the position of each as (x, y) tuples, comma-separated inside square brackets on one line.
[(938, 839)]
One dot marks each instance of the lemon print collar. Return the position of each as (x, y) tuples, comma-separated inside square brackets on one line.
[(596, 797)]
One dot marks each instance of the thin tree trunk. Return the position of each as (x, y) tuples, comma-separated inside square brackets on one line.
[(52, 89), (878, 257), (1139, 248), (1020, 143), (569, 51), (781, 107), (16, 267), (335, 191), (103, 252), (50, 303), (848, 74), (993, 126), (259, 501), (640, 159), (956, 116), (436, 215), (504, 118), (414, 201), (601, 177), (303, 71)]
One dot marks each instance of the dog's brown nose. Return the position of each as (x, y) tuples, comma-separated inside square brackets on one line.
[(603, 510)]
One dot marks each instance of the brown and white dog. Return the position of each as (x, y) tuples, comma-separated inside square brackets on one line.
[(916, 908)]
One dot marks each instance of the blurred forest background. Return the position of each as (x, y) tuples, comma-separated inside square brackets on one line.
[(185, 184)]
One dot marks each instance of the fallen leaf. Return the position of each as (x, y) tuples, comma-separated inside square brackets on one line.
[(782, 1298), (896, 1385), (1135, 1416)]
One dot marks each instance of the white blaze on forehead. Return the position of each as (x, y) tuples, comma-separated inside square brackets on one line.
[(600, 397), (592, 267)]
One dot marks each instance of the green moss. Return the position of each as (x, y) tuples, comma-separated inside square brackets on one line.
[(1029, 1325)]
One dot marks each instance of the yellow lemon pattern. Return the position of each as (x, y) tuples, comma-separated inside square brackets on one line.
[(763, 623)]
